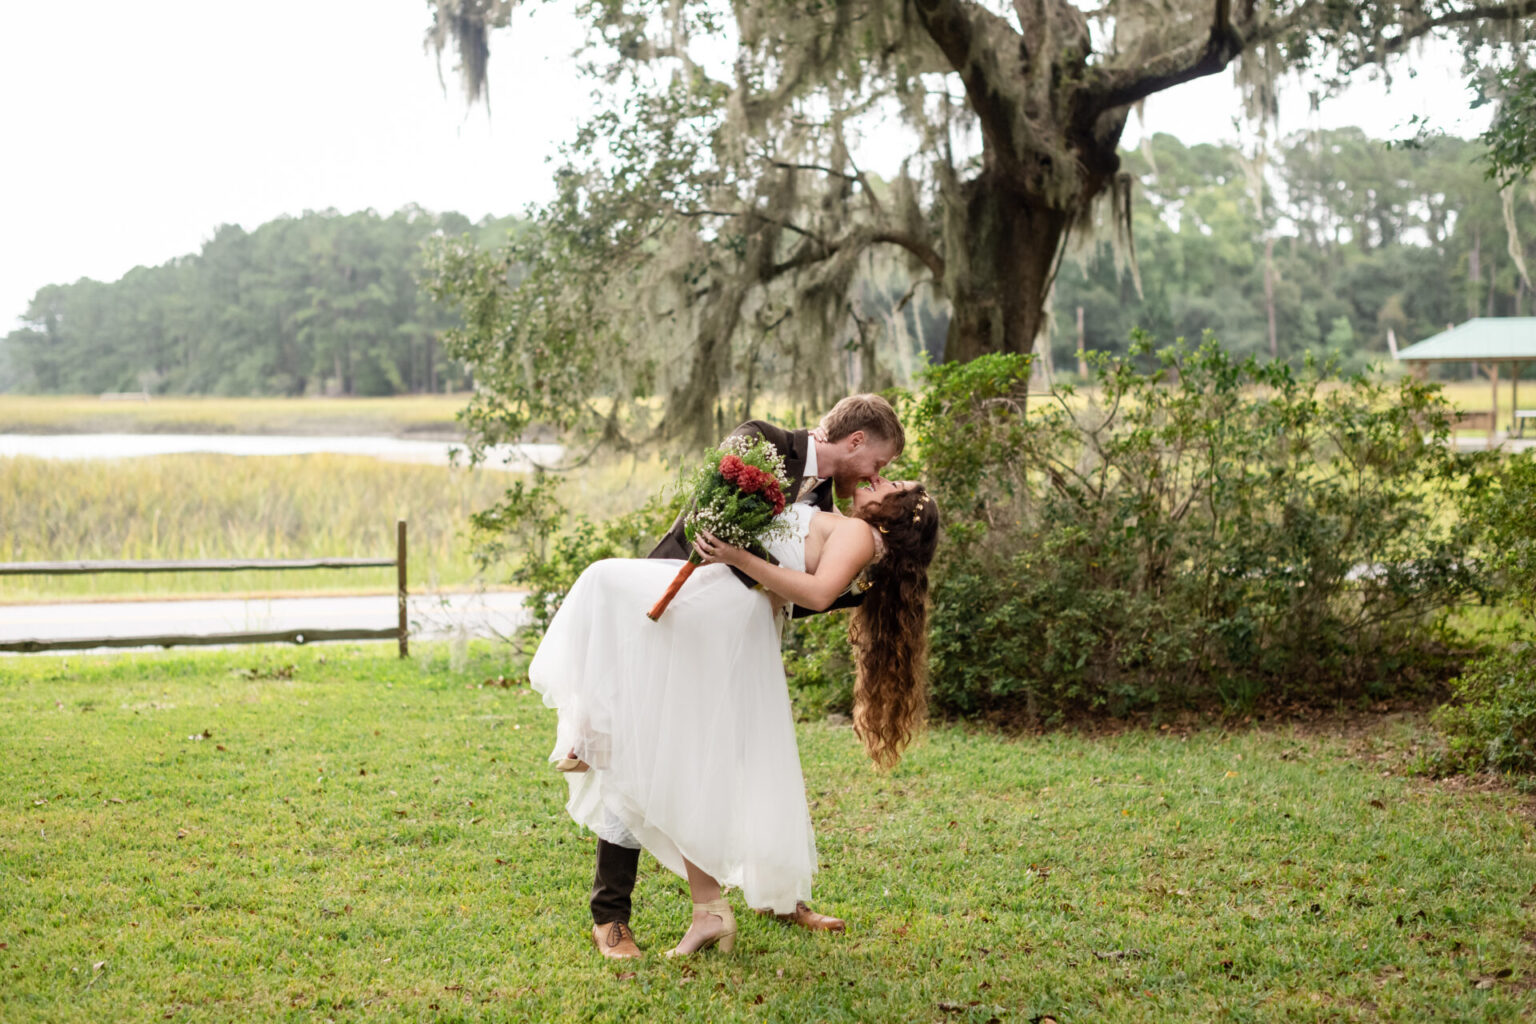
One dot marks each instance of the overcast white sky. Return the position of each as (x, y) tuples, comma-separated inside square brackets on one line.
[(131, 130)]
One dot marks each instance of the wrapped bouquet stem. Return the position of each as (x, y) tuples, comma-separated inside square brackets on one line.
[(737, 493)]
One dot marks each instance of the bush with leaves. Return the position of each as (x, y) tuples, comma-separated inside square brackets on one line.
[(549, 547), (1214, 530), (1490, 721)]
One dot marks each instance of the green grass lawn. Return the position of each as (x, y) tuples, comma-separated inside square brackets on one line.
[(220, 836)]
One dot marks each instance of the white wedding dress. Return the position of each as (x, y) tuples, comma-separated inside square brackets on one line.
[(685, 721)]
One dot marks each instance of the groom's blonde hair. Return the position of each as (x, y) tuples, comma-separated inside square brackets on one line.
[(869, 413)]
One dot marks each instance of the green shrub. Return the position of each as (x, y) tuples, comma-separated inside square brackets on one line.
[(819, 663), (1499, 503), (549, 546), (1490, 723), (1215, 530)]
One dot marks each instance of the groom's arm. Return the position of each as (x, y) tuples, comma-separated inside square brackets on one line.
[(850, 599)]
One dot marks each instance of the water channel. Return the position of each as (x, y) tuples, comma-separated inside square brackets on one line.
[(512, 458)]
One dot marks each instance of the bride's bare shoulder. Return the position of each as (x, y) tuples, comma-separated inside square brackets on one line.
[(854, 534)]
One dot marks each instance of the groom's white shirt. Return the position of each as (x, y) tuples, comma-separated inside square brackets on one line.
[(809, 479)]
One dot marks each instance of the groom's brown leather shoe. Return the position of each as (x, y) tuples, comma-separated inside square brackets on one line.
[(808, 919), (615, 941)]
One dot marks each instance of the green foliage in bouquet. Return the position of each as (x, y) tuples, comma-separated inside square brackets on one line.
[(737, 490)]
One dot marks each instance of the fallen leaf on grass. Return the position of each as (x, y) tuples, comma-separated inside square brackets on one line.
[(1378, 805), (626, 976)]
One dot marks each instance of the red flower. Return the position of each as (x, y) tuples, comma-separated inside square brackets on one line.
[(750, 479)]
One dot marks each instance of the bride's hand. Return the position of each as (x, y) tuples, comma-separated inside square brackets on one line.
[(712, 549)]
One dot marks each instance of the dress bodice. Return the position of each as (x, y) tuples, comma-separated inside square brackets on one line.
[(788, 549)]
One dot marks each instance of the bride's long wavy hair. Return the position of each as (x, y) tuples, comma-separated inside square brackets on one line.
[(889, 629)]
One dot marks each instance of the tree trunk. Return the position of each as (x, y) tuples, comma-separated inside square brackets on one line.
[(1269, 295), (1082, 344), (998, 285), (691, 405), (1474, 274), (1493, 281)]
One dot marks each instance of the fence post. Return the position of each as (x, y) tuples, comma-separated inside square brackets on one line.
[(400, 580)]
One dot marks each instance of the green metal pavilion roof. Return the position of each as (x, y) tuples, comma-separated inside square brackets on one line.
[(1485, 338)]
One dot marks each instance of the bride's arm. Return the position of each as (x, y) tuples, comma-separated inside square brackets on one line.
[(849, 548)]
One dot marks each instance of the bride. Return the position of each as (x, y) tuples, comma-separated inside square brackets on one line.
[(678, 735)]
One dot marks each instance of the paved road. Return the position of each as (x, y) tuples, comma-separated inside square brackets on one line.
[(431, 617)]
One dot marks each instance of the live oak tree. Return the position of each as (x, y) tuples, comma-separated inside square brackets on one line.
[(712, 220)]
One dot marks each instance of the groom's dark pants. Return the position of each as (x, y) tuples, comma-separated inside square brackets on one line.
[(616, 867)]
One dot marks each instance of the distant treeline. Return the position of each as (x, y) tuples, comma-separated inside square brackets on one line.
[(317, 304), (1333, 239), (1326, 244)]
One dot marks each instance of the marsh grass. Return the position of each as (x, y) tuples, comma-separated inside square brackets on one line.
[(226, 506), (333, 834), (202, 506)]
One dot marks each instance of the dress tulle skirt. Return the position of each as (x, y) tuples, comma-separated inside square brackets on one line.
[(686, 723)]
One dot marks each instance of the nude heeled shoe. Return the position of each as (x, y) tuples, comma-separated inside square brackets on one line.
[(725, 939), (571, 763)]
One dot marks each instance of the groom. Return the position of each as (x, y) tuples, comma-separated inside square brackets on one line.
[(852, 444)]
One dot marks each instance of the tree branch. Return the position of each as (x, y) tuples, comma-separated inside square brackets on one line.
[(1194, 58), (808, 256), (786, 225), (917, 247), (814, 167), (1477, 12), (950, 24)]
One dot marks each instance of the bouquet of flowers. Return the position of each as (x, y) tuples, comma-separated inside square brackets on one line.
[(737, 492)]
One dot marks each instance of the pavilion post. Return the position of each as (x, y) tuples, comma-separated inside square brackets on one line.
[(1493, 417)]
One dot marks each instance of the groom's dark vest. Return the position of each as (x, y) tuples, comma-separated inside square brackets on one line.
[(795, 447)]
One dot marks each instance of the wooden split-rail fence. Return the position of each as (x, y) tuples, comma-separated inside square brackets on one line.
[(398, 631)]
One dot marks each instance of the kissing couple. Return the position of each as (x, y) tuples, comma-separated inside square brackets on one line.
[(677, 735)]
